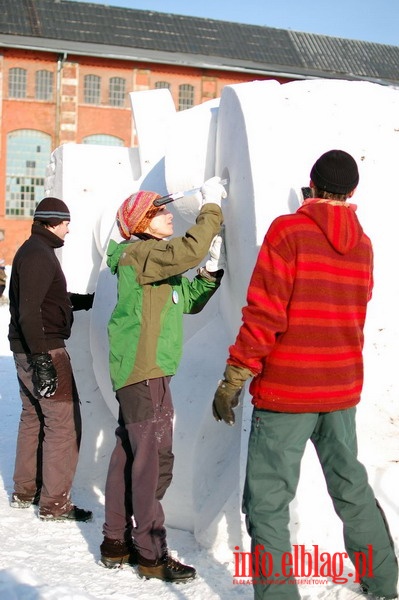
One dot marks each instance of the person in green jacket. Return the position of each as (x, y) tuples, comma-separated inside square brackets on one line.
[(145, 340)]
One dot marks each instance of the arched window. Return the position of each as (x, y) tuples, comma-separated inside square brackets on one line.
[(92, 89), (17, 83), (186, 96), (117, 91), (101, 139), (28, 154), (159, 85), (44, 85)]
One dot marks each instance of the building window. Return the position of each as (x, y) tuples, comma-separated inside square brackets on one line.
[(44, 85), (186, 96), (160, 85), (92, 89), (28, 154), (102, 139), (17, 83), (117, 91)]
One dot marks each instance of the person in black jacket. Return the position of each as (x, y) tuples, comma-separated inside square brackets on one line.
[(3, 277), (41, 319)]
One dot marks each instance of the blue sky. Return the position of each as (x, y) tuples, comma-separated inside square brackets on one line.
[(367, 20)]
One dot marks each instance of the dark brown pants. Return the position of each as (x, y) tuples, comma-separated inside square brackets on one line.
[(140, 469), (48, 437)]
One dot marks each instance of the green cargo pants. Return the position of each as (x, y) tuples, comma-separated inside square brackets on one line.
[(276, 446)]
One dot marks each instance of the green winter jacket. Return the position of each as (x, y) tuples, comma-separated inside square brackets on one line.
[(146, 327)]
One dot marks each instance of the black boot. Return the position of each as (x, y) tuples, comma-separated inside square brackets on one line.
[(74, 514)]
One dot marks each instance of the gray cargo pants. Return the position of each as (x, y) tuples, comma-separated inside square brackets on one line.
[(48, 437), (140, 469), (276, 446)]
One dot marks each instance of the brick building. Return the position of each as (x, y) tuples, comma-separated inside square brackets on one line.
[(66, 69)]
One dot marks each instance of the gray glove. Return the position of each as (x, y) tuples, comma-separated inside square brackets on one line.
[(227, 395), (44, 374), (212, 191)]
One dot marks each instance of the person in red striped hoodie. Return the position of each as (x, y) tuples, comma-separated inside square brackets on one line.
[(301, 342)]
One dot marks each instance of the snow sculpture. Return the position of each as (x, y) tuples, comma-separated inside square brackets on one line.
[(264, 137)]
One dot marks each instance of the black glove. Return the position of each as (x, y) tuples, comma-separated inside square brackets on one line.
[(226, 398), (44, 374), (227, 395), (81, 301)]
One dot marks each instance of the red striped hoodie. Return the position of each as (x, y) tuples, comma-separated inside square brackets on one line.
[(302, 329)]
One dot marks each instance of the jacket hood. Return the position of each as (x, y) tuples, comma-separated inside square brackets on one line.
[(114, 252), (337, 220)]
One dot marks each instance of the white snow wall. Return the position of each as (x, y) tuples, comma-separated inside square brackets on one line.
[(264, 137)]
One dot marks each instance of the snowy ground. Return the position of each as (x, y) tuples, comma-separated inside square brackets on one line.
[(59, 561)]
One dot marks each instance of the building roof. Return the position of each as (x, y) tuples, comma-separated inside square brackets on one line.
[(130, 34)]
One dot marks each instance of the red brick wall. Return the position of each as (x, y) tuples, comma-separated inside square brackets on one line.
[(68, 119)]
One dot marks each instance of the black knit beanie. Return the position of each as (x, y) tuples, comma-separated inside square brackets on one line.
[(52, 211), (335, 172)]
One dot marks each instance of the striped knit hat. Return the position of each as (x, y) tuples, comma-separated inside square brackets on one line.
[(335, 172), (136, 212), (52, 211)]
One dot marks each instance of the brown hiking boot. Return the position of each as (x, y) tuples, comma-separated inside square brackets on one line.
[(167, 569), (116, 553)]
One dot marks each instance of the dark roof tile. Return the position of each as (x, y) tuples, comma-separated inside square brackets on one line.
[(259, 48)]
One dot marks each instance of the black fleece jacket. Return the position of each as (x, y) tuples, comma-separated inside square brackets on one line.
[(40, 306)]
